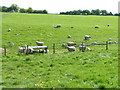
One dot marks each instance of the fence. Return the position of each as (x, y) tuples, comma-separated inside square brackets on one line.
[(60, 48)]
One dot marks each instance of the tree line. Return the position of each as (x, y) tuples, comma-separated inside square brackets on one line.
[(88, 12), (15, 8)]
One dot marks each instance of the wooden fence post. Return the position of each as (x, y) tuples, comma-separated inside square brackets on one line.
[(27, 50), (53, 48), (106, 45), (4, 51), (82, 47)]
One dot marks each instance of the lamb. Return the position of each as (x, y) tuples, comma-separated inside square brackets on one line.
[(40, 43), (87, 37), (69, 36), (71, 48), (83, 48), (9, 30), (96, 26), (108, 25), (71, 43)]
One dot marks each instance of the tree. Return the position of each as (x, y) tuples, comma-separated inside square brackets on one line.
[(14, 8), (45, 12), (22, 10), (29, 10), (86, 12), (4, 9), (104, 12)]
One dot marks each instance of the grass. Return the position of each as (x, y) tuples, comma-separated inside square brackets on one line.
[(91, 69)]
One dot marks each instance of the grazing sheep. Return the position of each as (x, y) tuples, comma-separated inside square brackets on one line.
[(21, 50), (109, 39), (82, 48), (69, 36), (40, 43), (9, 30), (96, 26), (58, 26), (71, 43), (43, 51), (108, 25), (87, 48), (71, 48), (30, 50), (87, 37)]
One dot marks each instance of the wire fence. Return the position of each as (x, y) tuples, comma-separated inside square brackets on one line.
[(59, 48)]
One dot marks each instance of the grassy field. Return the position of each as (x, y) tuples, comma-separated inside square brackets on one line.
[(91, 69)]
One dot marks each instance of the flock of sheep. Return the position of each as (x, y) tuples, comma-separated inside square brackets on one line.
[(71, 46), (29, 50)]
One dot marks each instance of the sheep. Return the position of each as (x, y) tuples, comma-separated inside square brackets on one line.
[(71, 43), (87, 37), (9, 30), (83, 48), (71, 48), (30, 50), (40, 43), (108, 25), (96, 26), (21, 50), (43, 51), (109, 39), (69, 36), (58, 26)]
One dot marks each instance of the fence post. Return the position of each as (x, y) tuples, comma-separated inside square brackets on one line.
[(106, 45), (27, 50), (53, 48), (4, 51), (82, 47)]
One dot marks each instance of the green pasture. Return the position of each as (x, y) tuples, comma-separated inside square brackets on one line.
[(91, 69)]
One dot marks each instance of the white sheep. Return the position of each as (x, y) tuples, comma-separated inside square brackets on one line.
[(96, 26), (71, 43), (69, 36), (87, 37), (30, 50), (40, 43), (71, 48), (83, 48), (43, 51), (21, 50), (9, 30)]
